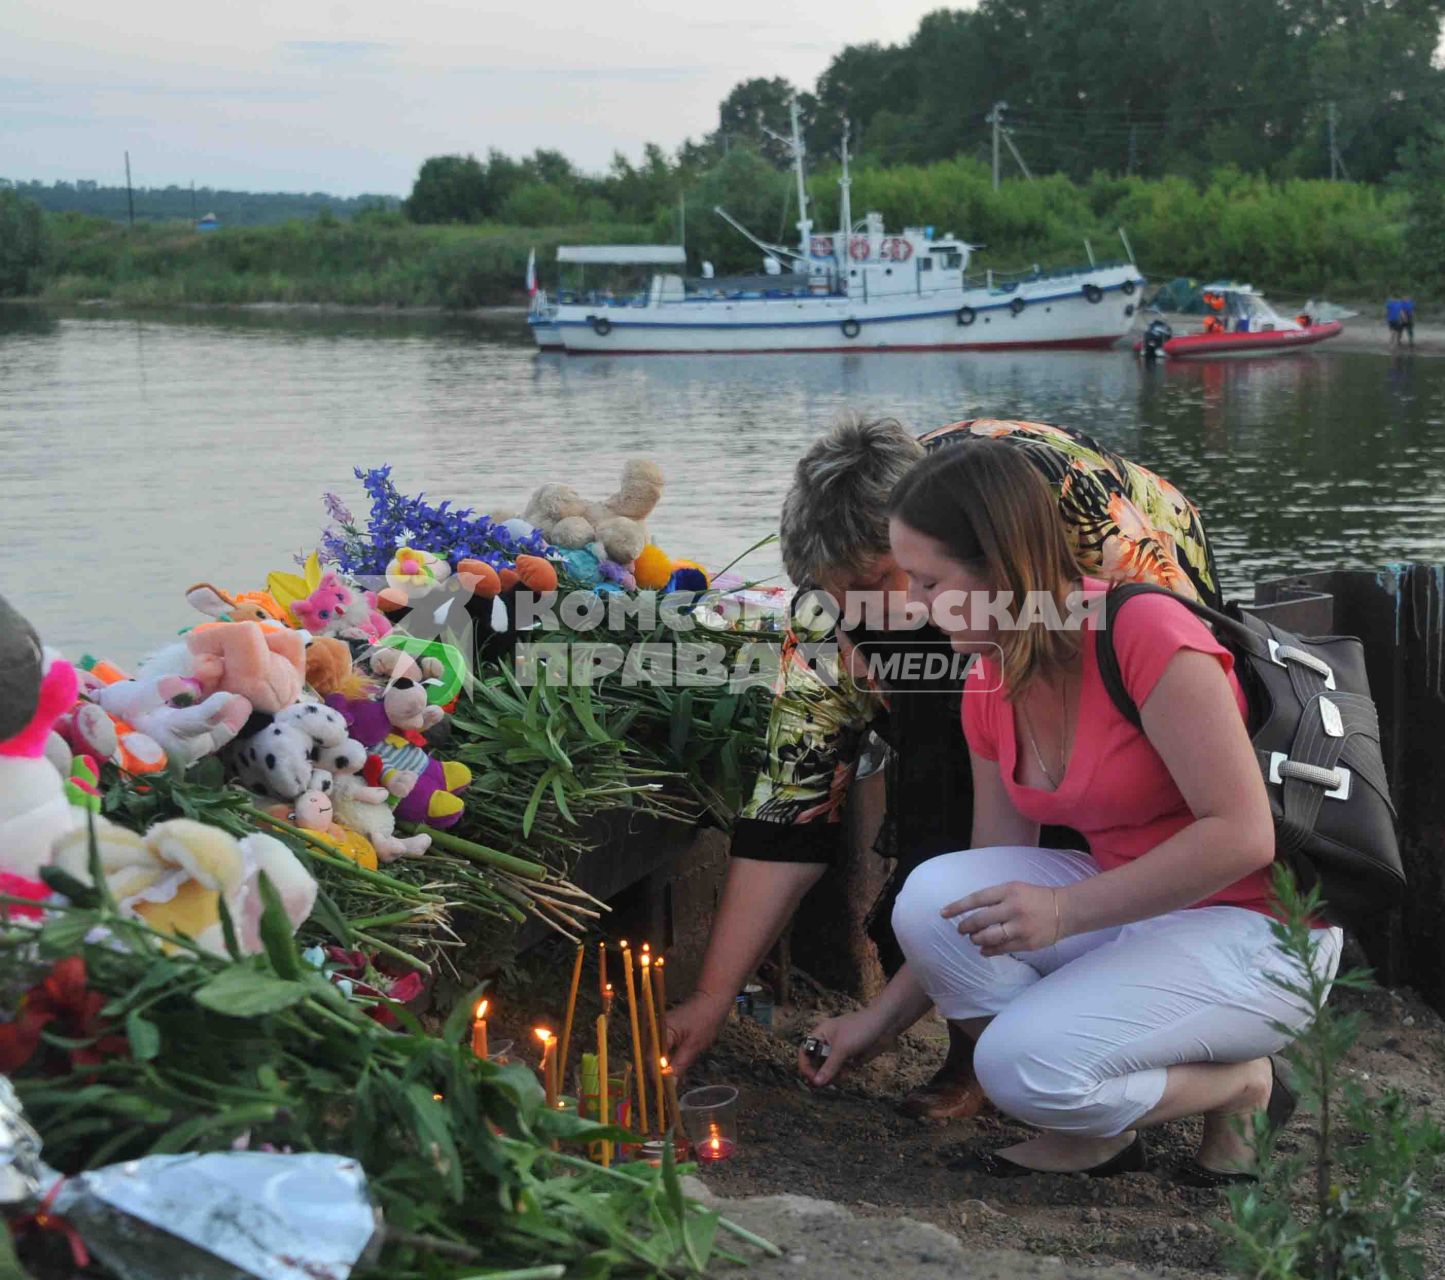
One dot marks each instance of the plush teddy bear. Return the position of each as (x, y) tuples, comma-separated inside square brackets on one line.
[(170, 712), (569, 521), (174, 876), (36, 689)]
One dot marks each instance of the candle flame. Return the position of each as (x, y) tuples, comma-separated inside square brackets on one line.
[(716, 1144), (647, 946), (623, 944), (482, 1010), (543, 1034), (646, 959), (663, 1061), (659, 962), (609, 988)]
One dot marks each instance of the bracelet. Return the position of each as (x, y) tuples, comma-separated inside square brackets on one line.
[(1058, 919)]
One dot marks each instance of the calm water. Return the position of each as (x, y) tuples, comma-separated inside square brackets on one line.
[(142, 454)]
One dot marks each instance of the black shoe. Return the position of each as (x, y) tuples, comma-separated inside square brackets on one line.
[(1132, 1159), (1277, 1113)]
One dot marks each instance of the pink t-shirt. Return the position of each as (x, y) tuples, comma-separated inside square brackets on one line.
[(1116, 792)]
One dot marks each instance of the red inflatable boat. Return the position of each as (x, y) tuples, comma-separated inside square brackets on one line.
[(1239, 322)]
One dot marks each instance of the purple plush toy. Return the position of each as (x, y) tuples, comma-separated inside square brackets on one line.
[(390, 727)]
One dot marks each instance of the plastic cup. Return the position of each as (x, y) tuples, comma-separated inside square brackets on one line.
[(500, 1052), (710, 1120)]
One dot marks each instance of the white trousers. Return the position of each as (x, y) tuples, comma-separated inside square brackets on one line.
[(1084, 1031)]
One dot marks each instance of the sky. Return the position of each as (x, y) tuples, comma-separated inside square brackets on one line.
[(349, 96)]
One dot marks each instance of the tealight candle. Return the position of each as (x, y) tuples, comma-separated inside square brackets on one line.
[(710, 1117)]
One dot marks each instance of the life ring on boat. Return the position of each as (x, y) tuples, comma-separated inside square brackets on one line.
[(896, 249), (859, 248), (1127, 288), (966, 315), (851, 328), (1016, 307), (601, 325), (1093, 293)]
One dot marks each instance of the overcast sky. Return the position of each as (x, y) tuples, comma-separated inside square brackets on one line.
[(350, 96)]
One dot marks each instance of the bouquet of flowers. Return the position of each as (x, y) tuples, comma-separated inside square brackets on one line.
[(397, 520)]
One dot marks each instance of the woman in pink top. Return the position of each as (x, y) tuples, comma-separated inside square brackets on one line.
[(1112, 990)]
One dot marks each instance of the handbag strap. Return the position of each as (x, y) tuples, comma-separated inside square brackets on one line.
[(1116, 597)]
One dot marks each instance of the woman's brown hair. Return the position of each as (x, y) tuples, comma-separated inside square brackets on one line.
[(992, 511)]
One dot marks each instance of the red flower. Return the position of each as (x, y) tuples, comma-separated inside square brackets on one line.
[(65, 1003), (13, 886), (401, 990)]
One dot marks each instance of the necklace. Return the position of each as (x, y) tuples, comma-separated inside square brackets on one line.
[(1063, 746)]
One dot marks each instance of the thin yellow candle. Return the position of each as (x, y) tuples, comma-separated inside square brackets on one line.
[(650, 1001), (603, 986), (604, 1111), (636, 1039), (549, 1082), (659, 982), (607, 994), (479, 1030), (571, 1010), (674, 1112)]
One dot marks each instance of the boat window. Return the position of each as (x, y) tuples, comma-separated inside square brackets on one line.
[(925, 264), (951, 261)]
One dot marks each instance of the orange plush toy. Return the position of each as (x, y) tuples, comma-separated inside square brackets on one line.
[(263, 662)]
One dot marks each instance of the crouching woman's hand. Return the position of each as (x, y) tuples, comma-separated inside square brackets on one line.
[(853, 1039)]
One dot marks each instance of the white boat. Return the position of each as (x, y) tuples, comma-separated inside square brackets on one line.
[(542, 313), (860, 289)]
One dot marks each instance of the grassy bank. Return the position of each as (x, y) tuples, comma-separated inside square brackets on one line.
[(1336, 238), (380, 262)]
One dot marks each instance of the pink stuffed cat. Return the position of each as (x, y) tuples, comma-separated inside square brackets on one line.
[(334, 609)]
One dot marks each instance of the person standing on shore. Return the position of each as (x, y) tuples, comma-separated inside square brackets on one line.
[(1124, 522), (1400, 317)]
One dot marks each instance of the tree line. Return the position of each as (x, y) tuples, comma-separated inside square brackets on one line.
[(1148, 88), (173, 203)]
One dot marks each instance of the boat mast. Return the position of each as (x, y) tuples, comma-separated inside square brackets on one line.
[(805, 223), (845, 230)]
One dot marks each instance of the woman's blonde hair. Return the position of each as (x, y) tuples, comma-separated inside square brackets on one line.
[(993, 512), (835, 516)]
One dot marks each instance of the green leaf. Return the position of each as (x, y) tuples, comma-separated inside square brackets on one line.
[(530, 815), (144, 1037), (276, 932), (248, 993), (77, 891), (328, 915), (228, 928)]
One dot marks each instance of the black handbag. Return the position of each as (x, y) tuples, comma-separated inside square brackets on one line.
[(1316, 734)]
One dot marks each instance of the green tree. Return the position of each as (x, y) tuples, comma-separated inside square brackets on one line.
[(1424, 179), (450, 189), (24, 245), (754, 108)]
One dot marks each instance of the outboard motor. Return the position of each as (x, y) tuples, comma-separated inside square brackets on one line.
[(1155, 336)]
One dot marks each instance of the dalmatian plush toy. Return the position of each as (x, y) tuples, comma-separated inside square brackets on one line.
[(299, 749)]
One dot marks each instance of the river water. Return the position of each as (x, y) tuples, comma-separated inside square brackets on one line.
[(143, 453)]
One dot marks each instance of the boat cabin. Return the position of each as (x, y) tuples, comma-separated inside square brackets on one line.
[(1240, 308)]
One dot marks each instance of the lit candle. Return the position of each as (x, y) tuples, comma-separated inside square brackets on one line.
[(636, 1038), (604, 1111), (674, 1112), (549, 1083), (603, 986), (607, 995), (566, 1049), (649, 1000), (479, 1030), (659, 982)]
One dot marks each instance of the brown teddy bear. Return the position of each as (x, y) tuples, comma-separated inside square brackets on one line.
[(568, 520)]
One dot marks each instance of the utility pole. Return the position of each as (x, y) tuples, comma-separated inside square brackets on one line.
[(129, 194), (1133, 148), (995, 118), (1337, 161), (193, 199)]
